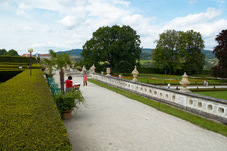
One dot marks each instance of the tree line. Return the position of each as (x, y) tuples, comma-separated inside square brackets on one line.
[(119, 48), (11, 52)]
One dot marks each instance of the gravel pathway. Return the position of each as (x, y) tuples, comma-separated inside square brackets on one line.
[(112, 122)]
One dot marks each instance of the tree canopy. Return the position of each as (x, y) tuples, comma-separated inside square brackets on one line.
[(179, 50), (119, 46), (220, 52), (11, 52), (3, 52)]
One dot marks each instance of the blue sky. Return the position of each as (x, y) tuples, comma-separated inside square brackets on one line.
[(68, 24)]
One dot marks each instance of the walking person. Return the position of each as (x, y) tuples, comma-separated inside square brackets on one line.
[(69, 84), (85, 79)]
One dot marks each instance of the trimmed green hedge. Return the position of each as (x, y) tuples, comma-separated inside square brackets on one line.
[(29, 119), (17, 59)]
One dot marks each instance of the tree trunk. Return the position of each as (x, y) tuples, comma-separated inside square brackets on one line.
[(62, 80), (111, 69)]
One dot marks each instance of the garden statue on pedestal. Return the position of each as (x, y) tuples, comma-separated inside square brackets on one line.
[(135, 73), (184, 82), (83, 70), (108, 71)]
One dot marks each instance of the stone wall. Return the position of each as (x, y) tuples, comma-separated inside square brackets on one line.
[(208, 107)]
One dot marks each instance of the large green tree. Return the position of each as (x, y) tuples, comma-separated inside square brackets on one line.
[(179, 50), (119, 46), (220, 52), (3, 52), (191, 45), (167, 55), (12, 52)]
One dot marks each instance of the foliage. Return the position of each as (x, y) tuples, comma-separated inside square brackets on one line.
[(66, 101), (197, 120), (120, 46), (29, 117), (179, 50), (192, 43), (167, 55), (12, 52), (48, 63), (61, 60), (17, 59), (3, 52), (145, 56), (221, 53)]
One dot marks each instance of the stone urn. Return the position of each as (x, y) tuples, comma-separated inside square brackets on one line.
[(93, 68), (108, 71), (83, 70), (184, 82), (135, 73)]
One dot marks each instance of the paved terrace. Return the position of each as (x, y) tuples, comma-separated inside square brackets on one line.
[(112, 122)]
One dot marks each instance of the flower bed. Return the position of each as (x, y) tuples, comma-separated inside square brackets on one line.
[(29, 118)]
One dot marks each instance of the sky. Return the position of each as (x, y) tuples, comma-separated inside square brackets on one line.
[(67, 24)]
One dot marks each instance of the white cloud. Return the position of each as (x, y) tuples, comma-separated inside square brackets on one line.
[(67, 24), (206, 23), (193, 2)]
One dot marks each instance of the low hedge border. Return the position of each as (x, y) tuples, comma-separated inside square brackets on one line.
[(29, 117)]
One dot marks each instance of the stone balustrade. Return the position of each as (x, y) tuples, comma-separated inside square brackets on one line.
[(208, 107)]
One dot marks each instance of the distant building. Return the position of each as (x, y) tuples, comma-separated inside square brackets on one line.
[(44, 56), (27, 55)]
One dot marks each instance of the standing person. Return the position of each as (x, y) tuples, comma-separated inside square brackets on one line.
[(85, 79), (204, 83), (168, 85), (69, 84)]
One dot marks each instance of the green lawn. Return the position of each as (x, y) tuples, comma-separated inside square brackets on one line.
[(172, 79), (215, 94), (197, 120)]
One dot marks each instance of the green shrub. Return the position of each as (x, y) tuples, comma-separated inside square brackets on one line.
[(66, 101), (29, 117)]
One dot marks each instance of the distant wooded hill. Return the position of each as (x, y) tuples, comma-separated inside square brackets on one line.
[(76, 52)]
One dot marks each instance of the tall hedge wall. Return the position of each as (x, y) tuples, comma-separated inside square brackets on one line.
[(17, 59), (29, 119)]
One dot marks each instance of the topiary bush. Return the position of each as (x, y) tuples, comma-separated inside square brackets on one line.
[(29, 119)]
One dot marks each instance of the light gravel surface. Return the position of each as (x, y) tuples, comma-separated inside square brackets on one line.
[(112, 122)]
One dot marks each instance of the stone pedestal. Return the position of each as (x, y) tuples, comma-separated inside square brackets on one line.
[(83, 70), (93, 69), (108, 71), (135, 73), (184, 82)]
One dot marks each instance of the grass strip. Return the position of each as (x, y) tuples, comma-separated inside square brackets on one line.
[(195, 119)]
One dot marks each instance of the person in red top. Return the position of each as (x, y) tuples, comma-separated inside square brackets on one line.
[(69, 84), (85, 79)]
